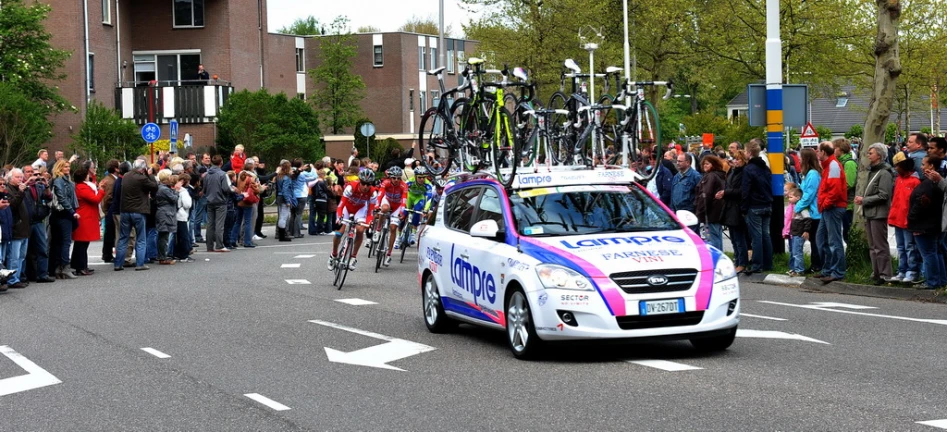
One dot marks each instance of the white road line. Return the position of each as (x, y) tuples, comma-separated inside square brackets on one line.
[(292, 245), (297, 282), (356, 302), (353, 330), (304, 256), (267, 401), (290, 265), (664, 365), (35, 377), (156, 353), (823, 308), (769, 334), (843, 305), (761, 316), (942, 424)]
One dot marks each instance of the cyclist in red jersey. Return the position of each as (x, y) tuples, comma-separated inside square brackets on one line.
[(391, 195), (356, 200)]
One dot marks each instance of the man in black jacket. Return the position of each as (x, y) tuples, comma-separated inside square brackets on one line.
[(217, 190), (37, 197), (137, 187), (16, 252), (757, 204)]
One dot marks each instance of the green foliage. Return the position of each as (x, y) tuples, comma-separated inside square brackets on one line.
[(23, 125), (855, 132), (27, 59), (891, 132), (426, 26), (724, 130), (926, 130), (740, 130), (339, 91), (360, 142), (368, 29), (857, 255), (825, 134), (385, 147), (104, 135), (308, 26), (273, 127)]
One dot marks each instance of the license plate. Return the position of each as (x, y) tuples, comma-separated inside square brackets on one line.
[(659, 307)]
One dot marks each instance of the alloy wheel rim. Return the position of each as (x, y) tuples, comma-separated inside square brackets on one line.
[(517, 322), (430, 302)]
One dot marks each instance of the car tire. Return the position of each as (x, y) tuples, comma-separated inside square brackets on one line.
[(434, 317), (715, 343), (520, 330)]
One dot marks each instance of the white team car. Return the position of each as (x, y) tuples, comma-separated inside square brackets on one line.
[(573, 255)]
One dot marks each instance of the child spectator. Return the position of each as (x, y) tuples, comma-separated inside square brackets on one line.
[(799, 227), (909, 257)]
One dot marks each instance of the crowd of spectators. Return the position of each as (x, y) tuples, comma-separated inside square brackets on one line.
[(905, 189)]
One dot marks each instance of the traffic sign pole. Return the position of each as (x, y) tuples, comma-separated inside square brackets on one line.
[(774, 121)]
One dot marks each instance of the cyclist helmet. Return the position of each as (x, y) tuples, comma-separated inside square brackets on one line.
[(421, 172), (394, 172), (366, 176)]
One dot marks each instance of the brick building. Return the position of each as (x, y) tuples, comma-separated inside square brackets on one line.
[(125, 44), (145, 53)]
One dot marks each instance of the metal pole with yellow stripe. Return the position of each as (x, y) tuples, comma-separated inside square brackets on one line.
[(774, 120)]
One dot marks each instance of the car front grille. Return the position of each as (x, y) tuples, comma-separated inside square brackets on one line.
[(636, 282), (637, 322)]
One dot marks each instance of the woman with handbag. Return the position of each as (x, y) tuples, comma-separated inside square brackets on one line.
[(246, 185), (732, 216), (63, 220), (285, 200), (88, 195)]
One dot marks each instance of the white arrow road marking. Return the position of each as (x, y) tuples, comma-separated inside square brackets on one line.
[(156, 353), (843, 305), (374, 356), (304, 256), (761, 317), (290, 265), (942, 424), (822, 308), (36, 376), (267, 401), (356, 302), (297, 282), (768, 334), (664, 365)]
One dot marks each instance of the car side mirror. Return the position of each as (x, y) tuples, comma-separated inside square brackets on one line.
[(687, 218), (486, 229)]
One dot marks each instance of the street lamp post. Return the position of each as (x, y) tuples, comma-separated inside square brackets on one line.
[(442, 49)]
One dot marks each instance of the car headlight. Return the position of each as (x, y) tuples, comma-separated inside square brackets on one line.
[(724, 269), (559, 277)]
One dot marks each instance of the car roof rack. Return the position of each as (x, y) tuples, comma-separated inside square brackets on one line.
[(552, 176)]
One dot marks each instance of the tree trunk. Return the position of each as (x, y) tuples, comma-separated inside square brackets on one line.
[(887, 70)]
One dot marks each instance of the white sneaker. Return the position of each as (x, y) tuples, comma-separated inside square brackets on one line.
[(257, 238), (387, 261), (397, 245), (331, 264), (896, 278), (413, 239), (352, 262)]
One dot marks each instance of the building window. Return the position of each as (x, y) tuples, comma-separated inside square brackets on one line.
[(188, 13), (301, 96), (91, 73), (423, 101), (410, 100), (379, 59), (107, 12), (420, 58), (167, 68), (300, 60), (435, 97), (450, 61), (433, 58), (842, 100)]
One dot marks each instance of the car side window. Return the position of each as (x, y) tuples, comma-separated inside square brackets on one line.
[(461, 206), (490, 207)]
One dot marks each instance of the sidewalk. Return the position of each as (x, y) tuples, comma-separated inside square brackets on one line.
[(883, 291)]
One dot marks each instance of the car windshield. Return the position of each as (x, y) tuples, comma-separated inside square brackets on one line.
[(578, 210)]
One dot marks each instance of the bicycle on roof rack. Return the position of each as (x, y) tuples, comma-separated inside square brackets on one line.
[(639, 128)]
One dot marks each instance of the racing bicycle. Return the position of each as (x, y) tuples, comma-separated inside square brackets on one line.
[(345, 251), (381, 246), (404, 230)]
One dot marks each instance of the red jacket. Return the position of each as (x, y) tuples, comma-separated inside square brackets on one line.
[(833, 190), (236, 162), (901, 199), (88, 230)]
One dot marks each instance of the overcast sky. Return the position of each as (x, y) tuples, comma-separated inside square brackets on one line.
[(386, 15)]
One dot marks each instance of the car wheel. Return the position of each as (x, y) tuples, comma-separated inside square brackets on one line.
[(715, 343), (434, 317), (520, 331)]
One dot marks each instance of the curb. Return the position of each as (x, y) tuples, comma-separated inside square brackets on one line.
[(889, 292)]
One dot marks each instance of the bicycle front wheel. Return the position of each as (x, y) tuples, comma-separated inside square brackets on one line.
[(503, 146), (467, 125), (645, 134), (382, 248), (345, 258), (437, 144)]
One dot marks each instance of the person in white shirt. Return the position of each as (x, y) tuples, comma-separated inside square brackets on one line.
[(41, 157)]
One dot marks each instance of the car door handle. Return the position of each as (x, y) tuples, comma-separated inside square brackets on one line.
[(436, 249), (465, 257)]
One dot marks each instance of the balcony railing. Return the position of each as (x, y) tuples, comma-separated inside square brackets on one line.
[(162, 102)]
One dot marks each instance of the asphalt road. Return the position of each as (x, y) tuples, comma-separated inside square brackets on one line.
[(233, 326)]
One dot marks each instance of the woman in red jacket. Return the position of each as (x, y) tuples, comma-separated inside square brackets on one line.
[(89, 196)]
